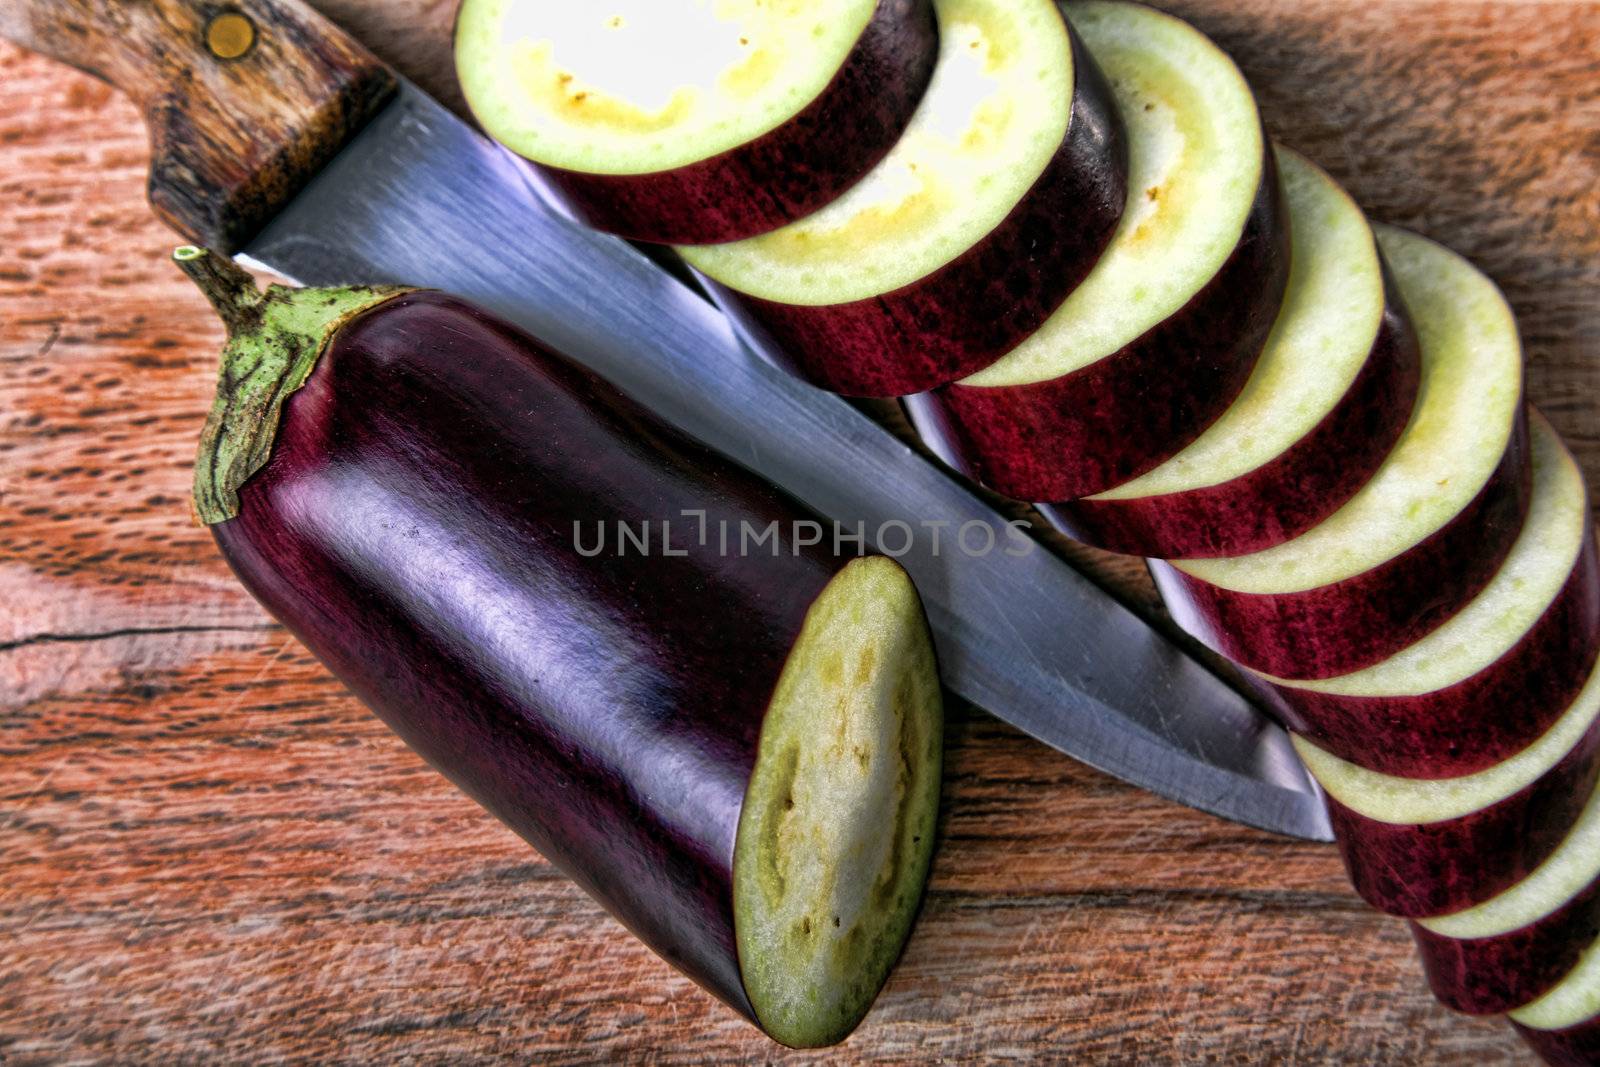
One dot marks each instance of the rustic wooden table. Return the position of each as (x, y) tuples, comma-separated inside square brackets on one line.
[(209, 851)]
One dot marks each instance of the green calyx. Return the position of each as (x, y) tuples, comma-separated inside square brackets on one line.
[(275, 338)]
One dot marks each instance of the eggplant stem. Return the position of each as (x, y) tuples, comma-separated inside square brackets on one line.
[(230, 288), (275, 338)]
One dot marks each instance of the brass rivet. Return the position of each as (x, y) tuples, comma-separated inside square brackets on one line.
[(230, 35)]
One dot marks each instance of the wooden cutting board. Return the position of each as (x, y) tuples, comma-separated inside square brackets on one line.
[(210, 852)]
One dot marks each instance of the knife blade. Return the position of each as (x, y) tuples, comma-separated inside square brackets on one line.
[(418, 197)]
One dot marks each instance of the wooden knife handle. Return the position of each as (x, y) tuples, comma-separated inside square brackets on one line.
[(245, 100)]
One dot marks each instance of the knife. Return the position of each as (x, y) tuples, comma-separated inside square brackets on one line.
[(277, 138)]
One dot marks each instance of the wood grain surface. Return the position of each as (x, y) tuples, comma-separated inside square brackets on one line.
[(210, 852)]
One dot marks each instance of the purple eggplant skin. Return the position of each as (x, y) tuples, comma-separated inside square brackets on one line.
[(1287, 495), (1491, 975), (1067, 437), (980, 305), (1479, 721), (789, 171), (1351, 624), (415, 528), (1430, 869), (1576, 1046)]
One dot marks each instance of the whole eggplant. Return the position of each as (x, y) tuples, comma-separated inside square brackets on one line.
[(552, 597)]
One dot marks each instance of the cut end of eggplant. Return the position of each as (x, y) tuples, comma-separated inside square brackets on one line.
[(1533, 575), (1001, 90), (1323, 336), (1410, 801), (1464, 421), (838, 824), (639, 86), (1196, 154)]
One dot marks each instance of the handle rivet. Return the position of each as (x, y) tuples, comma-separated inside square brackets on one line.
[(230, 35)]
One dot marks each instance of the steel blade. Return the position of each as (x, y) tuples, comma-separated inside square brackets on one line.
[(422, 199)]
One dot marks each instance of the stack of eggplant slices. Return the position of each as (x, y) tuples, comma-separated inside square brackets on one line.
[(1061, 234)]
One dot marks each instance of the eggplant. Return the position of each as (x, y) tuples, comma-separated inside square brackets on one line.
[(1162, 335), (1563, 1026), (1324, 406), (996, 202), (1421, 847), (1518, 945), (1489, 682), (682, 122), (620, 643), (1416, 544)]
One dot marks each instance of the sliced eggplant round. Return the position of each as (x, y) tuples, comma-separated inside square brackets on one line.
[(1563, 1026), (836, 832), (1514, 947), (1161, 337), (998, 199), (1332, 392), (623, 645), (680, 121), (1418, 541), (1421, 847), (1488, 682)]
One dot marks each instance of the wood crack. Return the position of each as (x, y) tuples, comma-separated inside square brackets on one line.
[(132, 631)]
